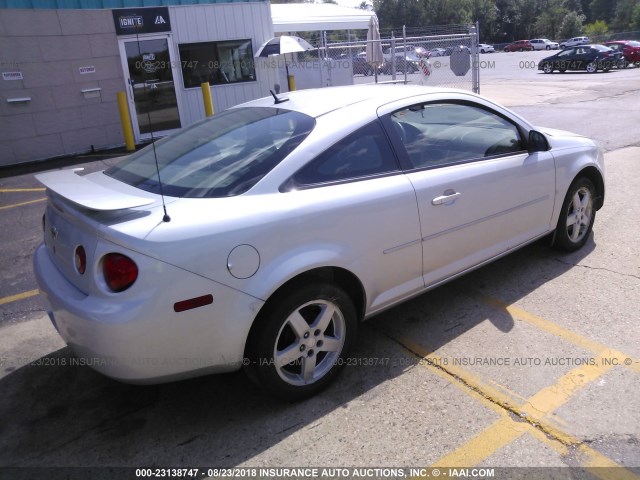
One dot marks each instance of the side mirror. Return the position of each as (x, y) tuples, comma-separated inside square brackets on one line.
[(537, 142)]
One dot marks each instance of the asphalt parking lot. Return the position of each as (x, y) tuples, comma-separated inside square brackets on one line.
[(530, 364)]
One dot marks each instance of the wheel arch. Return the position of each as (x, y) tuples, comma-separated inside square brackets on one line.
[(338, 276), (593, 174)]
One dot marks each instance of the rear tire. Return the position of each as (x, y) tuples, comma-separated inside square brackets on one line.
[(576, 217), (592, 67), (301, 340)]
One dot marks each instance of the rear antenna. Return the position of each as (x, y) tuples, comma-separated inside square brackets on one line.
[(166, 218), (278, 100)]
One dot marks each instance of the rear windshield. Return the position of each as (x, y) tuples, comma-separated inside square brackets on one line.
[(222, 156), (600, 48)]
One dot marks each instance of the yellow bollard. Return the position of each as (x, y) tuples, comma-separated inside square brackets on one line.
[(125, 121), (292, 82), (206, 98)]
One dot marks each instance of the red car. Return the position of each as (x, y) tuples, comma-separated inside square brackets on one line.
[(630, 50), (519, 46)]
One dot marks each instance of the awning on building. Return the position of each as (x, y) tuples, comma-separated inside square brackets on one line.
[(308, 17)]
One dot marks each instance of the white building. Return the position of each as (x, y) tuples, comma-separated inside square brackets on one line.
[(63, 66)]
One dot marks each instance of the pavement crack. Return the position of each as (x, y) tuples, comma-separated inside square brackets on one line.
[(514, 412), (571, 264)]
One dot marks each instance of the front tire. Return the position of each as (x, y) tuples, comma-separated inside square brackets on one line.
[(576, 217), (301, 341), (547, 68)]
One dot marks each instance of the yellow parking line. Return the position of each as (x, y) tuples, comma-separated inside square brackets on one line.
[(430, 360), (533, 414), (597, 464), (603, 467), (14, 190), (550, 398), (622, 359), (19, 296), (472, 381), (486, 443), (5, 207), (476, 384)]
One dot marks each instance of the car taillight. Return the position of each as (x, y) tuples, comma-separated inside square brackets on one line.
[(80, 260), (120, 272)]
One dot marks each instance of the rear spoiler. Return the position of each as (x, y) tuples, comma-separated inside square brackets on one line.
[(84, 191)]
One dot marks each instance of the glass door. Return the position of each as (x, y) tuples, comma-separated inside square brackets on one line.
[(152, 94)]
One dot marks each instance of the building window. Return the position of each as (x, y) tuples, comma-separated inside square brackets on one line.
[(218, 63)]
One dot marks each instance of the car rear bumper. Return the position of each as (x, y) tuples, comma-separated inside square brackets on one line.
[(144, 340)]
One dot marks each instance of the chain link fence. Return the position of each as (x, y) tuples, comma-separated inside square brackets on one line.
[(445, 56)]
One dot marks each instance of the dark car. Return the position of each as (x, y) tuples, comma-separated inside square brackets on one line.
[(408, 64), (519, 46), (630, 50), (583, 57), (360, 66), (358, 63)]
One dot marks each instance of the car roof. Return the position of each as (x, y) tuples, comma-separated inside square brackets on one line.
[(320, 101)]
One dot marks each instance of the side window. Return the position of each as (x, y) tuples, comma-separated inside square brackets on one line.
[(446, 133), (364, 153)]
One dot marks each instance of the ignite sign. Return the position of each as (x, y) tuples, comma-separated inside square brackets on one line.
[(130, 21)]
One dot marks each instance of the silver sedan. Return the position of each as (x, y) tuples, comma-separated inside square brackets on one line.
[(261, 237)]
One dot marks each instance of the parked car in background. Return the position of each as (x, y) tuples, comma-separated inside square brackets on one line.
[(408, 64), (359, 64), (583, 57), (519, 46), (575, 41), (410, 51), (484, 48), (544, 44), (261, 237), (449, 50), (437, 52), (630, 50)]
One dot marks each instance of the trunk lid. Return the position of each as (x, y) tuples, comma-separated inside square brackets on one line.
[(83, 209)]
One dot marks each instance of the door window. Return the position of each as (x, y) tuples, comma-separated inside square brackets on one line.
[(440, 134)]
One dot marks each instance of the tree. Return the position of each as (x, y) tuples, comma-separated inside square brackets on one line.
[(623, 19), (548, 23), (396, 13), (445, 12), (571, 25), (486, 13), (634, 24), (596, 29), (603, 10), (573, 6), (586, 9)]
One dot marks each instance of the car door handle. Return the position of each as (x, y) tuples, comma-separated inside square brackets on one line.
[(447, 198)]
